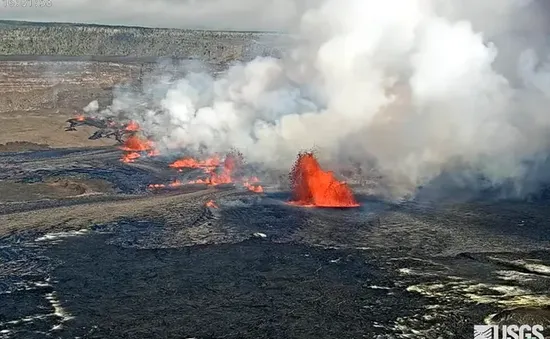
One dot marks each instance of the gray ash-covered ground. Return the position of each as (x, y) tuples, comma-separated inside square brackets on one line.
[(105, 257)]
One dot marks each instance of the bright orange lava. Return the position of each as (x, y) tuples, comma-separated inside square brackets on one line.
[(215, 178), (224, 177), (253, 188), (211, 203), (156, 186), (134, 145), (251, 185), (311, 186), (132, 126), (175, 183), (208, 165), (216, 175), (130, 157)]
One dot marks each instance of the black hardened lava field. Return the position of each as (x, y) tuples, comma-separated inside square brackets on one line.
[(106, 234), (95, 247)]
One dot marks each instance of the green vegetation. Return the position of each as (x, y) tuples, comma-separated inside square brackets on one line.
[(62, 39)]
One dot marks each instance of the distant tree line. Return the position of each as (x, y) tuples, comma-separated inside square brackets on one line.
[(18, 38)]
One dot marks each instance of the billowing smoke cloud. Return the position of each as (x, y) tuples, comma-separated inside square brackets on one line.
[(414, 87), (92, 107)]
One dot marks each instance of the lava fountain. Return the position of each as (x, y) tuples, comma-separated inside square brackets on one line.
[(313, 187)]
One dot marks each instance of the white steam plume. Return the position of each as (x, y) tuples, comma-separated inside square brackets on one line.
[(92, 107), (412, 85)]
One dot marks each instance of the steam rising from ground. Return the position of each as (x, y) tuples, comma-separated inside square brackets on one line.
[(409, 87)]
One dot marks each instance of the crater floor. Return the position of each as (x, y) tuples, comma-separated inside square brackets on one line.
[(86, 250)]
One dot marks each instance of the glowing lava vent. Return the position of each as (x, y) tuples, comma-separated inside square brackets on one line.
[(313, 187), (133, 146), (132, 126)]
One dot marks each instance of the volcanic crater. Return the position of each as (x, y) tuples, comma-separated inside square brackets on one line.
[(106, 240)]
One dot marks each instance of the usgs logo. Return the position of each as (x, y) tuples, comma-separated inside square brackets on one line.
[(508, 332)]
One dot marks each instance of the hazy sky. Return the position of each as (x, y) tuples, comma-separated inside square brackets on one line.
[(211, 14)]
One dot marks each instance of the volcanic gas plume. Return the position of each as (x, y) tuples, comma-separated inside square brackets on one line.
[(311, 186), (415, 87)]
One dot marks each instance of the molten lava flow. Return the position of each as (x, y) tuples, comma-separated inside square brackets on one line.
[(311, 186), (175, 183), (156, 186), (132, 126), (253, 188), (134, 145), (224, 177), (217, 176), (130, 157), (211, 203), (200, 181), (208, 165), (257, 189), (252, 185)]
